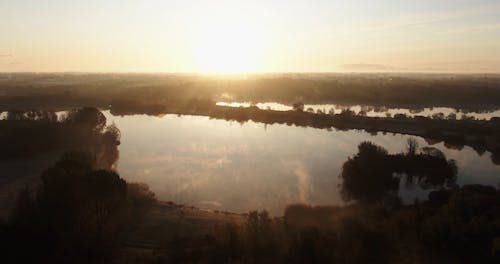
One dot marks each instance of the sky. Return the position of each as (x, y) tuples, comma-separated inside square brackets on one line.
[(224, 36)]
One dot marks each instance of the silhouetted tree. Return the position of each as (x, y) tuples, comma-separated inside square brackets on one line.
[(373, 175), (411, 146), (298, 106), (367, 177)]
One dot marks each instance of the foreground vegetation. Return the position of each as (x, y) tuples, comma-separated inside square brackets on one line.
[(78, 214), (83, 214), (458, 226)]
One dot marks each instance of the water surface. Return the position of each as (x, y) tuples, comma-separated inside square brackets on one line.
[(224, 165)]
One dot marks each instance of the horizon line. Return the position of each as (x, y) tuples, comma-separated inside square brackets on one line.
[(253, 73)]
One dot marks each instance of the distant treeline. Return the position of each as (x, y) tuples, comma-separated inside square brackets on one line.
[(468, 92)]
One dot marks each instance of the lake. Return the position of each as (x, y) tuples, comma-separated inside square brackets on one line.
[(221, 165)]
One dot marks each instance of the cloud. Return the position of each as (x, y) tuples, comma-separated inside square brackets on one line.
[(6, 55), (472, 66), (484, 27), (365, 67), (474, 28), (417, 20)]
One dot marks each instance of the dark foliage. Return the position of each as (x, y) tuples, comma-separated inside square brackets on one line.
[(29, 133), (462, 227), (373, 175), (78, 214)]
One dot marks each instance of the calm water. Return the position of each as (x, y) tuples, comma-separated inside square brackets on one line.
[(369, 111), (228, 166)]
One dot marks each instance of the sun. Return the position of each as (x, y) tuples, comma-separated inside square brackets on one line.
[(228, 48)]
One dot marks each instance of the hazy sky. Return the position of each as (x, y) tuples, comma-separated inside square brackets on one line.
[(235, 36)]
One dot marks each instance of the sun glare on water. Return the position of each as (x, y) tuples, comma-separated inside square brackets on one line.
[(228, 46)]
